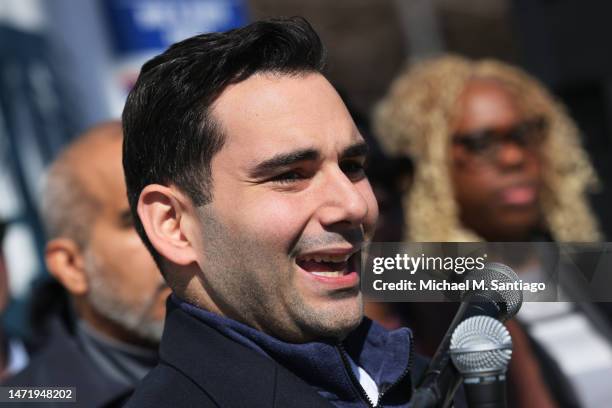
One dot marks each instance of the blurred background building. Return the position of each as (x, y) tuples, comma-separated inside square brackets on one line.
[(65, 65)]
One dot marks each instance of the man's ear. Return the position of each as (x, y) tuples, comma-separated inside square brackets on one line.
[(65, 262), (163, 212)]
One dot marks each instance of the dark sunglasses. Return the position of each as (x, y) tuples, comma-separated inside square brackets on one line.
[(528, 134)]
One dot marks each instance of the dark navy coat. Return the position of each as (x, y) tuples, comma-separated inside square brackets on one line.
[(200, 368), (62, 363)]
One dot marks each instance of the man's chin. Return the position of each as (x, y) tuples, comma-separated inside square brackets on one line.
[(339, 330), (338, 318)]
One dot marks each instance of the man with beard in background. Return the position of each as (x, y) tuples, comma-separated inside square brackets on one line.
[(117, 293)]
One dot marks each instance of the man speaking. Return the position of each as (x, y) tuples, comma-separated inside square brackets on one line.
[(245, 174)]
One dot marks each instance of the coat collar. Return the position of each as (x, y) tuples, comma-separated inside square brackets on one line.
[(384, 355), (230, 372)]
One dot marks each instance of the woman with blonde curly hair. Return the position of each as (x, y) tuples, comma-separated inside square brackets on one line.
[(496, 158), (490, 136)]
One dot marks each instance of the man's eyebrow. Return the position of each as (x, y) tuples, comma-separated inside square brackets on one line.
[(283, 160), (358, 149)]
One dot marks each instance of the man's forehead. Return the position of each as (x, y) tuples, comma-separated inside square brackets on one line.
[(268, 114)]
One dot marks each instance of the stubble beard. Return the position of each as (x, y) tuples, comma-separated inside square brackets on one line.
[(285, 313), (103, 298), (330, 323)]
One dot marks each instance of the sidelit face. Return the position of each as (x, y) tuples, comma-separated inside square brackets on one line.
[(291, 207)]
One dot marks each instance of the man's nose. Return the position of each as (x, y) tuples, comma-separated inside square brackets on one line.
[(342, 201)]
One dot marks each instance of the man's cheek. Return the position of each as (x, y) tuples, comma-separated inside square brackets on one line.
[(280, 219)]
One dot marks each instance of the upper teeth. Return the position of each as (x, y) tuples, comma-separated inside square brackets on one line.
[(328, 258)]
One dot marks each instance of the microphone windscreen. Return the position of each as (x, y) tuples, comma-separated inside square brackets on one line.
[(481, 345)]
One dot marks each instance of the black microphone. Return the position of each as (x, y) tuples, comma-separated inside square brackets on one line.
[(481, 348), (442, 379)]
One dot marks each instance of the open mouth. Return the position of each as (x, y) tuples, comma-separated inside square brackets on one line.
[(335, 270), (331, 266)]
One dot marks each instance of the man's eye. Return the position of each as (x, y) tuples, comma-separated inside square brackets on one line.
[(287, 177), (354, 169)]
